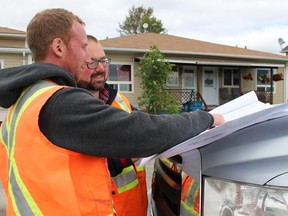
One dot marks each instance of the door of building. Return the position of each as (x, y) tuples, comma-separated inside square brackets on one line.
[(189, 79), (210, 88)]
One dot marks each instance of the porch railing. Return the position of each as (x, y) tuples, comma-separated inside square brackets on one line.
[(185, 95), (265, 97)]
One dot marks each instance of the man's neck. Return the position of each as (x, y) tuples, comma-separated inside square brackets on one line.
[(95, 93)]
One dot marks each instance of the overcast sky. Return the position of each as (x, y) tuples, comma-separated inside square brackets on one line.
[(256, 24)]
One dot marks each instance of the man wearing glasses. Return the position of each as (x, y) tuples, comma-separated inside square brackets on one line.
[(129, 180)]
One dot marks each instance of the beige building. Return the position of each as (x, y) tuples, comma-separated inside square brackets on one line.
[(13, 51), (215, 73)]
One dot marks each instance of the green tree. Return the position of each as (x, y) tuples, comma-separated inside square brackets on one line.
[(140, 20), (153, 73)]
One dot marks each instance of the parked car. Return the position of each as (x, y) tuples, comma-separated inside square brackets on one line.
[(244, 173)]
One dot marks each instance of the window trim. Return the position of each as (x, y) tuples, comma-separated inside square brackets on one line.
[(176, 76), (184, 68), (266, 85), (231, 71), (124, 82)]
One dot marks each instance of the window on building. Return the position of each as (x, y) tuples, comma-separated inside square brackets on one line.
[(189, 77), (231, 77), (120, 77), (173, 78), (264, 79)]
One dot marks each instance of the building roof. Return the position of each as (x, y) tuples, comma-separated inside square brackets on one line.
[(174, 44), (5, 30), (9, 34), (167, 44)]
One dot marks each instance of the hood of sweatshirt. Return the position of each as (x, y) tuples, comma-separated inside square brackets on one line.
[(13, 80)]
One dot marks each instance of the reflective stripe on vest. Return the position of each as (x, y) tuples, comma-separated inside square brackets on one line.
[(121, 102), (131, 196), (24, 202), (140, 168), (191, 195), (126, 180)]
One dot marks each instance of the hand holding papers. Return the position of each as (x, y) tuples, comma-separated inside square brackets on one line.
[(218, 119), (238, 113)]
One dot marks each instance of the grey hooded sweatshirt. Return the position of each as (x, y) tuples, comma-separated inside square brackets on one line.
[(74, 119)]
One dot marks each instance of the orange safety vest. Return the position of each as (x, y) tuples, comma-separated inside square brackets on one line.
[(190, 192), (129, 191), (190, 197), (40, 178)]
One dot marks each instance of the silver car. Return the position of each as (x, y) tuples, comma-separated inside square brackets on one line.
[(244, 173)]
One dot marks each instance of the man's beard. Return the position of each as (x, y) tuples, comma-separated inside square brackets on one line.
[(92, 85), (96, 84)]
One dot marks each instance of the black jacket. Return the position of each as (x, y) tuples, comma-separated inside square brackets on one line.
[(115, 166), (74, 119)]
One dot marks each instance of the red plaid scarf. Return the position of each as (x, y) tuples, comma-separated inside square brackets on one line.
[(104, 95)]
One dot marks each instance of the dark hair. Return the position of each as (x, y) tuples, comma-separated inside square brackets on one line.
[(47, 25)]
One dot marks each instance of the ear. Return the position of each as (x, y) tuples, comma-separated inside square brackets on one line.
[(58, 46)]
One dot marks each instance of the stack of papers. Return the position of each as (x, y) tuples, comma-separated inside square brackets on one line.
[(239, 113)]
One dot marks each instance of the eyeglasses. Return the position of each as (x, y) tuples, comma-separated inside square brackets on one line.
[(94, 64)]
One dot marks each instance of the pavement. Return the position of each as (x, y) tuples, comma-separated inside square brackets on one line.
[(3, 201)]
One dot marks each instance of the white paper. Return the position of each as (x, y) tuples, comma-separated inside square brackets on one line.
[(239, 113), (241, 106)]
